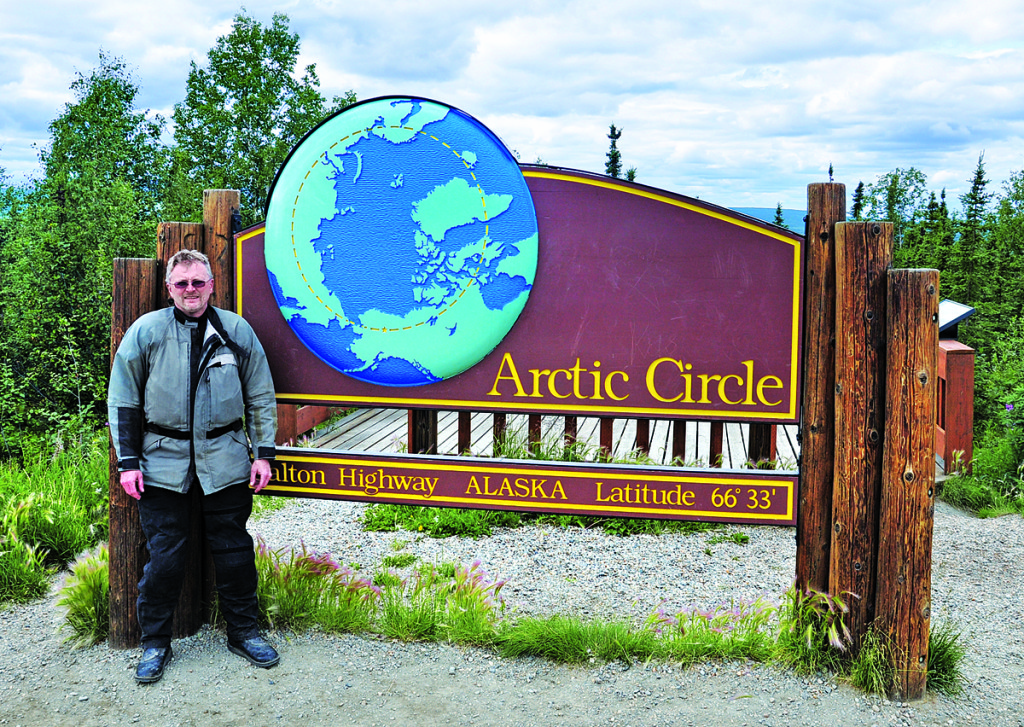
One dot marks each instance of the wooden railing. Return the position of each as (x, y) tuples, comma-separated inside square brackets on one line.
[(954, 418), (294, 421), (761, 442)]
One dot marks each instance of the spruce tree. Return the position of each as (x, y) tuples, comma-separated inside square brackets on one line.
[(857, 208), (613, 167), (779, 220)]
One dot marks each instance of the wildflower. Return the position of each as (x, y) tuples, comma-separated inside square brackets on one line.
[(1009, 407)]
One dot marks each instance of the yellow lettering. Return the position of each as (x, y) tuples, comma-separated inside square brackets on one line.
[(537, 373), (551, 382), (558, 490), (608, 384), (512, 375), (650, 378), (764, 384), (597, 380), (576, 371), (704, 379), (721, 388), (749, 366), (473, 488)]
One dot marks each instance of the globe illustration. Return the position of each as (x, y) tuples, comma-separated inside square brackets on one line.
[(401, 241)]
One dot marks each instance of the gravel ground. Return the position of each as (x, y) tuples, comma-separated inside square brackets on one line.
[(978, 569)]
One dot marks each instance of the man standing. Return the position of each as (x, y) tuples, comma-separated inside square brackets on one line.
[(187, 384)]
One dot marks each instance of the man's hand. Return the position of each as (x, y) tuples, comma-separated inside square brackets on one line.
[(131, 481), (259, 476)]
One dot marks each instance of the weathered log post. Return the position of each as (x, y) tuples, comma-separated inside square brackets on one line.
[(863, 253), (136, 286), (193, 602), (422, 431), (903, 599), (499, 429), (826, 205)]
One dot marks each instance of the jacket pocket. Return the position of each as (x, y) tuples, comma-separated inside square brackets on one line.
[(226, 404)]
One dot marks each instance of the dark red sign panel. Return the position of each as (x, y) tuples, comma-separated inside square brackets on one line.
[(645, 304), (667, 493)]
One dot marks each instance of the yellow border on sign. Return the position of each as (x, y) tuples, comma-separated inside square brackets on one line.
[(703, 414), (787, 485)]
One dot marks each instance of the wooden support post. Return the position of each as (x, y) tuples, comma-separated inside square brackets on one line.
[(761, 444), (570, 431), (465, 442), (197, 585), (863, 255), (219, 205), (643, 435), (534, 435), (679, 441), (422, 431), (287, 424), (136, 285), (903, 600), (715, 450), (172, 237), (500, 429), (826, 205), (607, 438)]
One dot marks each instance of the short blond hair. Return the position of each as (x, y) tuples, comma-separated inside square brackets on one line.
[(184, 257)]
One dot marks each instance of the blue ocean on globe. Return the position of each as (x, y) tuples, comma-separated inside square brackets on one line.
[(424, 242)]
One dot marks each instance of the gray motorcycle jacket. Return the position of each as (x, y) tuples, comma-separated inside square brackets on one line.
[(148, 404)]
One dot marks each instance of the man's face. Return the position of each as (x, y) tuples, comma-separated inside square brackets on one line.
[(190, 300)]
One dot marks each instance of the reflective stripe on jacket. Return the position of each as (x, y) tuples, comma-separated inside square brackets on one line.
[(148, 401)]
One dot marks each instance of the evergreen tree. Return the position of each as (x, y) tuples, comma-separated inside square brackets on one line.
[(857, 208), (779, 220), (971, 257), (243, 112), (613, 167)]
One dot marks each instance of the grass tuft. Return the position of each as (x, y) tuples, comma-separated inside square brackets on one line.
[(873, 668), (946, 653), (85, 597)]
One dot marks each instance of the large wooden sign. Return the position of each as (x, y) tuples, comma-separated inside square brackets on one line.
[(625, 300)]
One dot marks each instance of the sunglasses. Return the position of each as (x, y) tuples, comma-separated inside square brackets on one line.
[(197, 284)]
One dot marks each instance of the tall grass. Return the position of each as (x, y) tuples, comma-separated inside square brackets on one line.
[(300, 589), (53, 506)]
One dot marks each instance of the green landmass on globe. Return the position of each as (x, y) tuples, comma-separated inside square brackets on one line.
[(401, 241)]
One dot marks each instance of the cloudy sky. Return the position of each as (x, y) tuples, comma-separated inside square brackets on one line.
[(738, 102)]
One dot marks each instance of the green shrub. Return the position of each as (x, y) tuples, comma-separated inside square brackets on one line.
[(23, 575), (437, 522), (812, 631), (85, 597), (305, 588)]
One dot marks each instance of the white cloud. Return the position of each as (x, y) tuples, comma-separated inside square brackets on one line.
[(741, 102)]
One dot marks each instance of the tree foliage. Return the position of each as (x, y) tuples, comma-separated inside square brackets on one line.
[(613, 167), (243, 111), (779, 220), (98, 198), (858, 203), (897, 197)]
